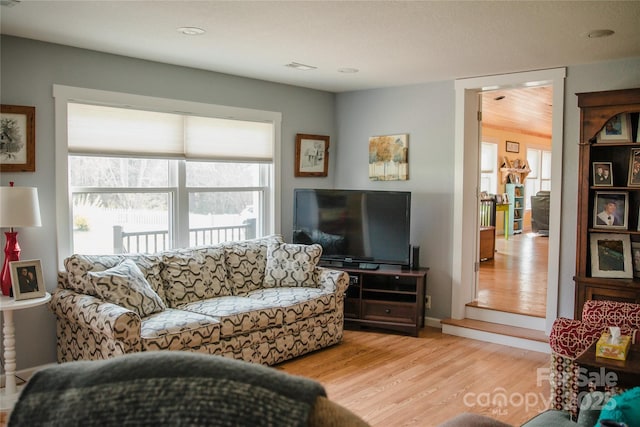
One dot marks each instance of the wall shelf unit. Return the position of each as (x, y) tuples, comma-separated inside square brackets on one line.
[(596, 110)]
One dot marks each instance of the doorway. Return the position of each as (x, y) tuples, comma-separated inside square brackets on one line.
[(466, 218), (515, 169)]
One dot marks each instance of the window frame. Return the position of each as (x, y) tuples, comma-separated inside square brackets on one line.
[(65, 94)]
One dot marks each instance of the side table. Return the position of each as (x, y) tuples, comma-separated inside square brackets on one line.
[(9, 394), (627, 372)]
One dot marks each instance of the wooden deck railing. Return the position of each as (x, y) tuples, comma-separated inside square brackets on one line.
[(158, 240)]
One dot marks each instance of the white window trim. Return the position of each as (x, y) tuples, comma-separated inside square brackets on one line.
[(65, 94)]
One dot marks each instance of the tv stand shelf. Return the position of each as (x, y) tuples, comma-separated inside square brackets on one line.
[(388, 298)]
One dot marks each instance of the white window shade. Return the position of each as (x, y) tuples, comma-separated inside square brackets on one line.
[(225, 139), (103, 130), (96, 129)]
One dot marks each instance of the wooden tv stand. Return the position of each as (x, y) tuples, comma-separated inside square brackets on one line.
[(387, 298)]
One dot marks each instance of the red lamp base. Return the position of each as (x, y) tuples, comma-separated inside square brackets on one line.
[(11, 253)]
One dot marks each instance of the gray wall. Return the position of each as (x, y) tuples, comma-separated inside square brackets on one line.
[(29, 69), (425, 112)]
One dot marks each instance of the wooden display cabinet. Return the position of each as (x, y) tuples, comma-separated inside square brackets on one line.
[(596, 110), (388, 298)]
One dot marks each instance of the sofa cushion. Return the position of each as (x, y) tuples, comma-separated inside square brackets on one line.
[(292, 265), (77, 267), (246, 262), (126, 286), (238, 315), (192, 275), (297, 303), (174, 329)]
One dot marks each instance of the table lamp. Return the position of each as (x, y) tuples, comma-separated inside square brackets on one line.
[(19, 207)]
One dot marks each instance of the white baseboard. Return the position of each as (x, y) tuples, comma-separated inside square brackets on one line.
[(507, 340), (501, 317), (432, 322)]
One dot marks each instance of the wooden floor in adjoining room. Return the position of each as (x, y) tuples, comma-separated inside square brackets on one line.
[(515, 280), (394, 380)]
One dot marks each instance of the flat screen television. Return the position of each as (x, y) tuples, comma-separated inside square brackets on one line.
[(360, 228)]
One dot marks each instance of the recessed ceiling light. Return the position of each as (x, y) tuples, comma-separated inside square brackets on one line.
[(348, 70), (600, 33), (191, 31), (301, 67)]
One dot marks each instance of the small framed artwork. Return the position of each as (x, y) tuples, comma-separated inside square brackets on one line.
[(389, 157), (635, 254), (617, 129), (17, 138), (602, 174), (611, 209), (634, 168), (312, 155), (611, 255), (27, 280), (513, 147)]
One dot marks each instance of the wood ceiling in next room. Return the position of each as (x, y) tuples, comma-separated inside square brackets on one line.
[(524, 110)]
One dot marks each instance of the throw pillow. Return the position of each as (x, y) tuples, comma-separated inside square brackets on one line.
[(623, 408), (126, 286), (246, 262), (193, 275), (292, 265)]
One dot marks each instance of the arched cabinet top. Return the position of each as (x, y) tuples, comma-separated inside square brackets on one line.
[(597, 108)]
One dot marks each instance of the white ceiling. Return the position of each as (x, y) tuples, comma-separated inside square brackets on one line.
[(392, 43)]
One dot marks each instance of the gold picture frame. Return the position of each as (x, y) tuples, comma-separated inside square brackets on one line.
[(17, 138), (312, 155)]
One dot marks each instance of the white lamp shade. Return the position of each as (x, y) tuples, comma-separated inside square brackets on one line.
[(19, 207)]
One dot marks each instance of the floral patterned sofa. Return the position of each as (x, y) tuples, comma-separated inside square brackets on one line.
[(260, 300), (569, 338)]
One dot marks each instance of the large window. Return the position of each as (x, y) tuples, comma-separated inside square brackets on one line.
[(489, 167), (142, 180), (539, 179)]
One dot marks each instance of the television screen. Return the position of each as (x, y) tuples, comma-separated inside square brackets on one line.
[(354, 226)]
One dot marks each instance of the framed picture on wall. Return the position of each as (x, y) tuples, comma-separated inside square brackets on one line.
[(312, 155), (17, 138), (513, 147)]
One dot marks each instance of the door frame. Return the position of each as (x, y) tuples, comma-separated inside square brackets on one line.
[(466, 188)]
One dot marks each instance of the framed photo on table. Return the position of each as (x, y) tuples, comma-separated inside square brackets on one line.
[(611, 255), (27, 280), (17, 138), (312, 155)]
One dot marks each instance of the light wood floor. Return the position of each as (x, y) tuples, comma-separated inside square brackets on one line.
[(515, 280), (394, 380)]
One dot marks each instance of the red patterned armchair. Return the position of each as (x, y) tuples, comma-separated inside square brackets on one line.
[(570, 338)]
